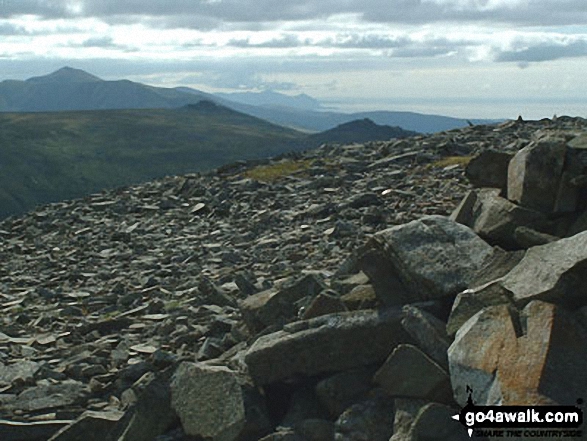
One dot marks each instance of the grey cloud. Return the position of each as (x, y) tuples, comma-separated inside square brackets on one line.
[(544, 52), (204, 14), (10, 29), (99, 42), (285, 41)]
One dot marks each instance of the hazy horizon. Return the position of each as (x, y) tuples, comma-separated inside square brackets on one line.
[(463, 58)]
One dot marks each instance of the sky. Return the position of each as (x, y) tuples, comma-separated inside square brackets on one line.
[(466, 58)]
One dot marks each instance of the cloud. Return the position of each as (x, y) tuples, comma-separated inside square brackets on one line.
[(544, 52), (12, 29), (205, 13), (105, 42), (282, 42)]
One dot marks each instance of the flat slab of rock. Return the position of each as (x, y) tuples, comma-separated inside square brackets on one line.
[(538, 357), (33, 431), (430, 258), (330, 343), (91, 426), (554, 272)]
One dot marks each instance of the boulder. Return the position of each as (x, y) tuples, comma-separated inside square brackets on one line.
[(408, 372), (406, 410), (428, 332), (91, 426), (533, 357), (534, 174), (209, 401), (434, 422), (330, 343), (371, 420), (471, 301), (344, 389), (277, 305), (430, 258), (489, 169), (152, 414), (324, 303), (494, 218), (554, 272)]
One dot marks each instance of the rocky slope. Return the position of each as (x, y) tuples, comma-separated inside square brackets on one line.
[(236, 305)]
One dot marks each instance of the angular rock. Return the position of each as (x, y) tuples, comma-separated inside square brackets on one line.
[(344, 389), (360, 297), (489, 169), (536, 357), (47, 397), (408, 372), (527, 237), (371, 420), (324, 303), (428, 332), (30, 431), (278, 305), (431, 258), (91, 426), (501, 263), (494, 218), (471, 301), (330, 343), (208, 401), (434, 422), (406, 410), (152, 414), (554, 272), (535, 172), (316, 430), (22, 370)]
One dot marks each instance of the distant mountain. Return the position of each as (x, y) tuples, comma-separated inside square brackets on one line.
[(73, 89), (273, 100), (51, 156), (314, 121), (358, 131)]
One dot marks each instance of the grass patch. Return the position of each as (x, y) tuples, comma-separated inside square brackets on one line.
[(273, 172), (451, 160)]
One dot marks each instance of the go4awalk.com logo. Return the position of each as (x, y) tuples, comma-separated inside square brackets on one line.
[(521, 421)]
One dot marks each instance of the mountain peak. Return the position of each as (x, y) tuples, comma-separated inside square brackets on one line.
[(66, 75)]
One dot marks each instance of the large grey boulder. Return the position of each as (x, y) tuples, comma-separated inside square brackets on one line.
[(553, 272), (408, 372), (494, 218), (535, 172), (330, 343), (209, 401), (489, 169), (471, 301), (532, 357), (430, 258)]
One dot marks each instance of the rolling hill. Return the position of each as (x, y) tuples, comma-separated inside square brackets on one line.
[(51, 156), (74, 89)]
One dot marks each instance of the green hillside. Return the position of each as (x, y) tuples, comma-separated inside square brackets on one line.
[(48, 157)]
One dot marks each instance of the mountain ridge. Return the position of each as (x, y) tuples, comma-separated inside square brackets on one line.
[(52, 156), (74, 89)]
